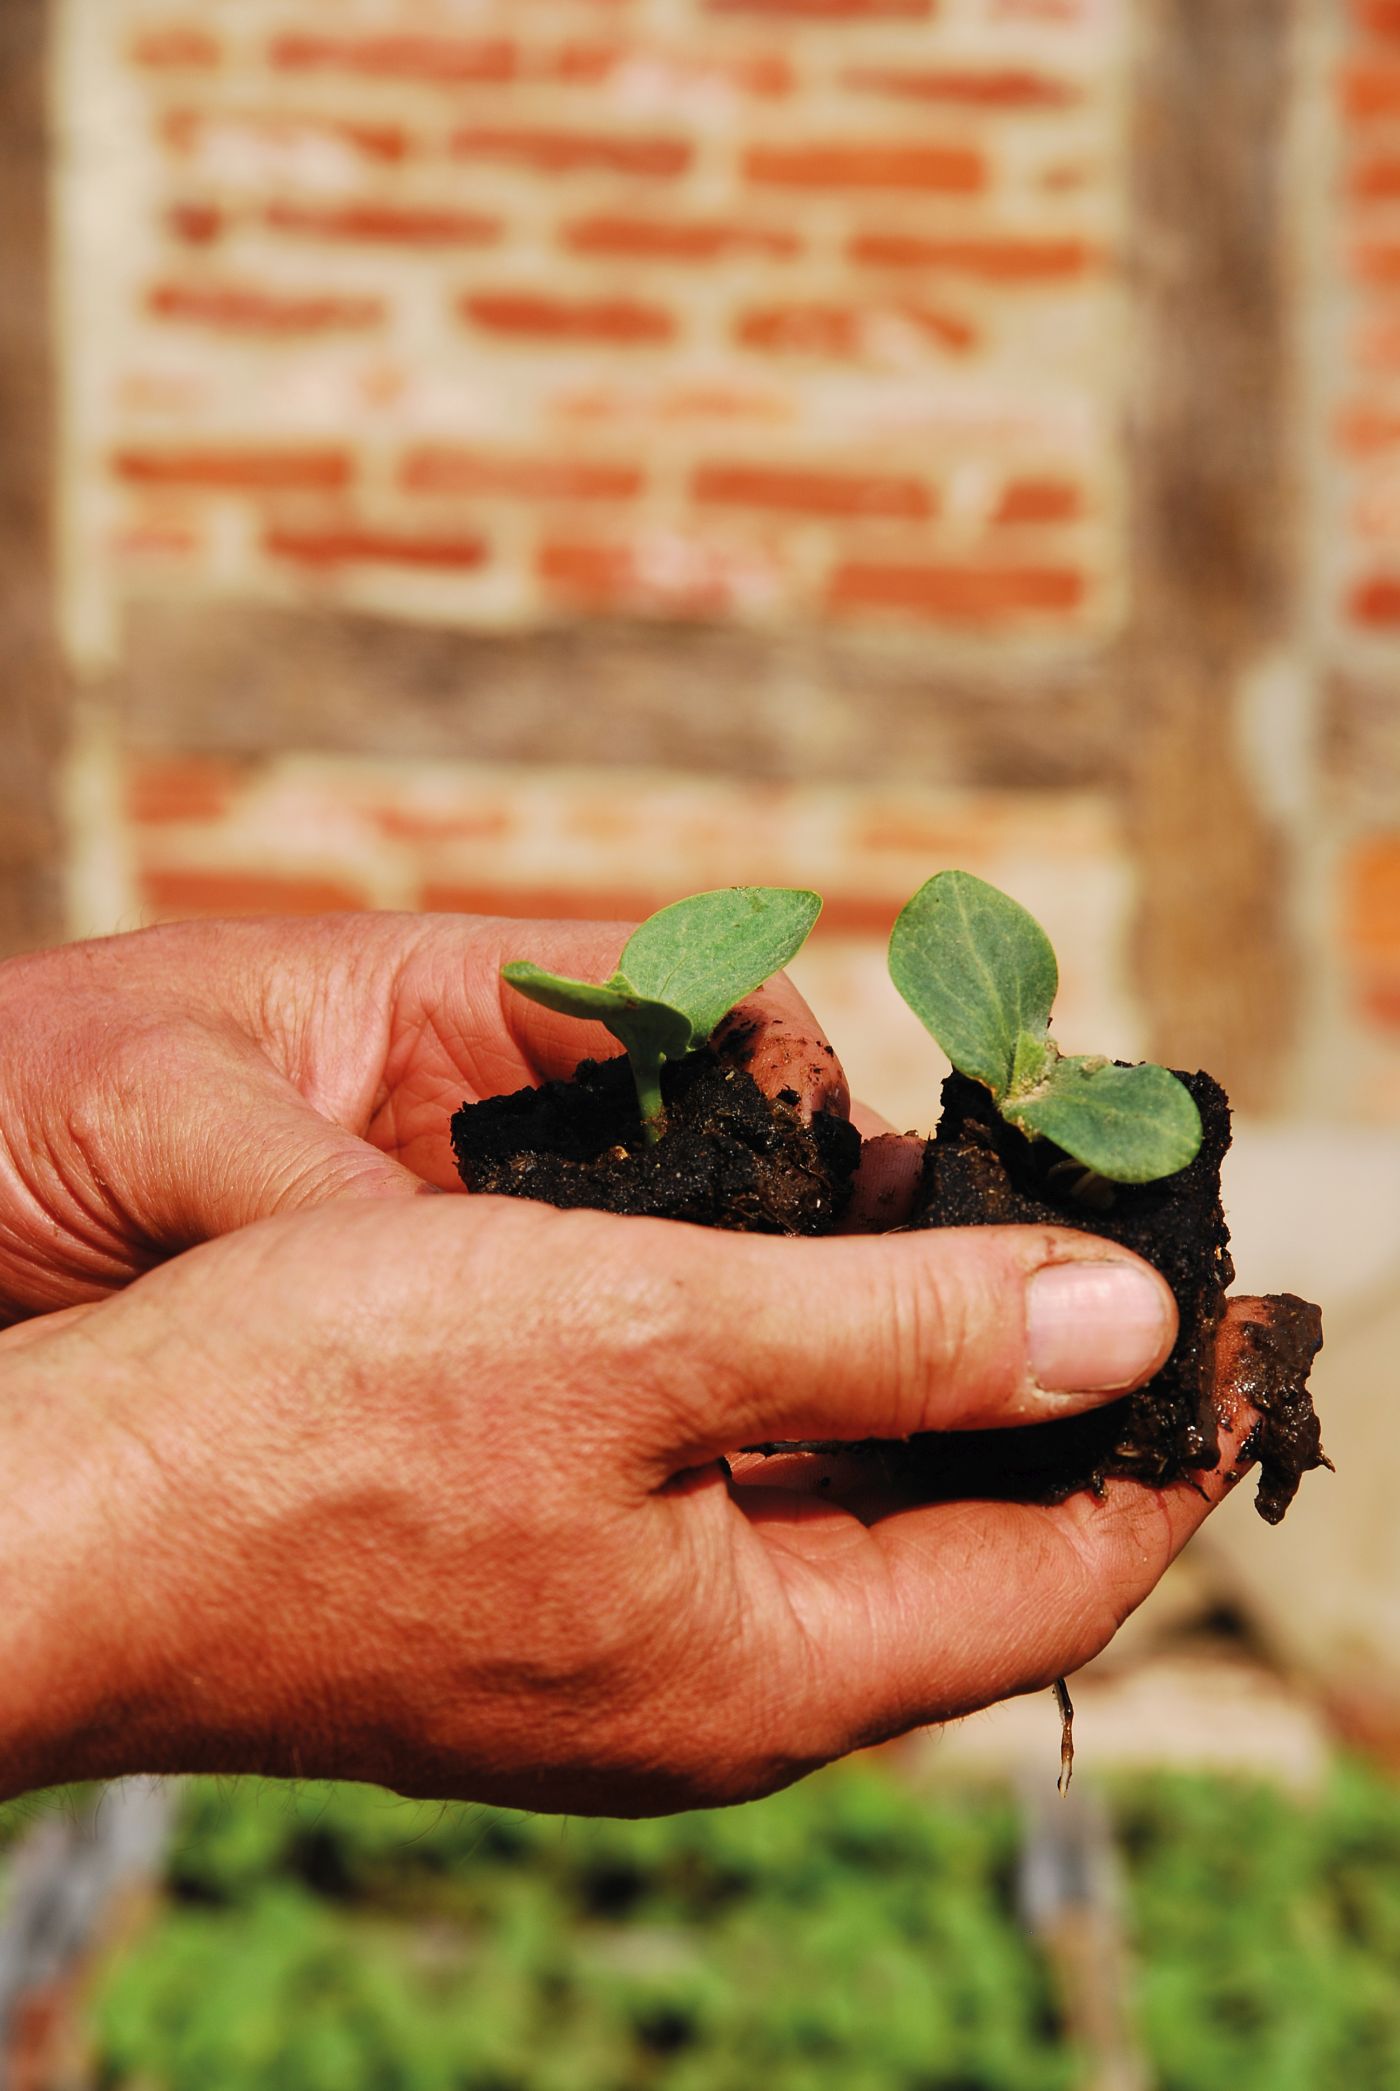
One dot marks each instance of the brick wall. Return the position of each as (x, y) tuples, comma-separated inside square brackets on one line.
[(483, 311), (1368, 431), (307, 833), (1357, 549), (569, 338)]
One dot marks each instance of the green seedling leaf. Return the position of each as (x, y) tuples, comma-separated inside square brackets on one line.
[(978, 972), (1131, 1124), (703, 955), (680, 974)]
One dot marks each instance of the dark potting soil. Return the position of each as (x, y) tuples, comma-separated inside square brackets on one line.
[(980, 1171), (1270, 1371), (730, 1156)]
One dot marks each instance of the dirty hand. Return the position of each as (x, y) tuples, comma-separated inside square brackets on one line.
[(431, 1494), (168, 1086)]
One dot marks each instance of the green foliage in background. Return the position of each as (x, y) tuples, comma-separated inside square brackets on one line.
[(1269, 1934), (846, 1936), (833, 1935)]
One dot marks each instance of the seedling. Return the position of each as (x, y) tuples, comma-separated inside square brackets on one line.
[(679, 976), (979, 973)]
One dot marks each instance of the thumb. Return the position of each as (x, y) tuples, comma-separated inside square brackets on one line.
[(953, 1329)]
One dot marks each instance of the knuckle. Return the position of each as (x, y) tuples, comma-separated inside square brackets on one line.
[(932, 1341), (961, 1323)]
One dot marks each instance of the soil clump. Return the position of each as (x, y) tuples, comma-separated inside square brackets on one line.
[(980, 1171), (730, 1156)]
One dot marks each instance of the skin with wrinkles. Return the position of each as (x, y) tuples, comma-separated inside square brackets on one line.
[(429, 1491), (494, 1555), (169, 1086)]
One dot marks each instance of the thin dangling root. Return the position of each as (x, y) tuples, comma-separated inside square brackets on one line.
[(1066, 1706)]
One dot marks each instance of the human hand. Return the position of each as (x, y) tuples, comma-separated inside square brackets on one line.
[(168, 1086), (432, 1496)]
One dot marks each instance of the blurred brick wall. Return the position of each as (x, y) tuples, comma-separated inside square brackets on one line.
[(318, 832), (1358, 550), (483, 312), (507, 317), (699, 436)]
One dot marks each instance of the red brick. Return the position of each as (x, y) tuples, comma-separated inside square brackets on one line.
[(197, 224), (1377, 263), (1362, 431), (1376, 180), (669, 239), (176, 892), (844, 914), (1378, 17), (957, 594), (1377, 346), (407, 824), (626, 322), (752, 72), (158, 537), (185, 130), (1067, 175), (602, 576), (828, 10), (847, 332), (572, 152), (175, 46), (872, 164), (243, 309), (398, 224), (163, 789), (890, 828), (994, 259), (1376, 602), (1375, 514), (701, 401), (1381, 1001), (1040, 501), (1371, 897), (344, 544), (252, 468), (555, 903), (674, 576), (1371, 89), (801, 491), (1001, 88), (1066, 12), (449, 468), (455, 59)]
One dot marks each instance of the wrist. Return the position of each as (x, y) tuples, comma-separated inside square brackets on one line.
[(80, 1694)]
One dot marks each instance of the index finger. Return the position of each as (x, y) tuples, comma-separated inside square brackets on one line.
[(776, 1038)]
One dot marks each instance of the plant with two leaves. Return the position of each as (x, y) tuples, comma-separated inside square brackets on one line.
[(979, 973), (679, 976)]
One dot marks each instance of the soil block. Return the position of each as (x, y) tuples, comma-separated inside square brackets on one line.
[(980, 1171), (730, 1156)]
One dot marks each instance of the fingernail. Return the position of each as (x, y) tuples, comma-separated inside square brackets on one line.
[(1095, 1327)]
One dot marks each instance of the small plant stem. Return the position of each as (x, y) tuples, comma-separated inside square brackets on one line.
[(647, 1077)]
